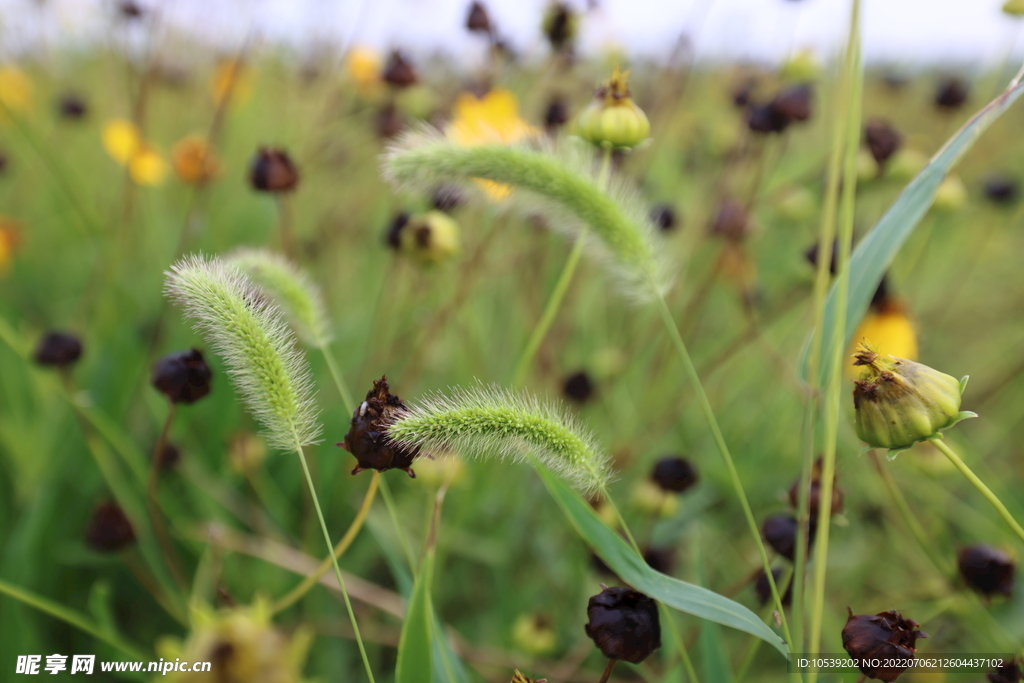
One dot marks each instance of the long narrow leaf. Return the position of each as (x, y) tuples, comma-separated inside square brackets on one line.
[(415, 649), (877, 250), (685, 597)]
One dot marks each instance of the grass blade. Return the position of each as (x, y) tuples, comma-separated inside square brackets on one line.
[(631, 568), (877, 250), (415, 649)]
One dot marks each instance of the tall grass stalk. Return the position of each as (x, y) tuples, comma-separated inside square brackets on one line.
[(826, 239), (855, 86), (723, 449), (268, 370), (561, 287)]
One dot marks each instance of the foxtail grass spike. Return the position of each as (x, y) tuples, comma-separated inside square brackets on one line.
[(555, 180), (249, 332), (490, 422), (291, 289)]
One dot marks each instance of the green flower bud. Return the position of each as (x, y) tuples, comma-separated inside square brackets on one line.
[(899, 402), (613, 119), (431, 237), (1015, 8), (951, 195)]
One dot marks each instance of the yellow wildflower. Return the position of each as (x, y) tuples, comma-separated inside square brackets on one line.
[(194, 160), (15, 89), (147, 167), (8, 241), (490, 120), (125, 144), (363, 66), (231, 78), (889, 328)]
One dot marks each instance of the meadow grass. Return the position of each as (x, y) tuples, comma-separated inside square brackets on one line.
[(91, 256)]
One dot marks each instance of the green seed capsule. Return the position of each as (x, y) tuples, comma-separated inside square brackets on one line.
[(613, 119), (431, 237), (899, 402)]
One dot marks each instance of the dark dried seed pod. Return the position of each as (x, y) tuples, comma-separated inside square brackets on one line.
[(131, 10), (183, 376), (674, 474), (555, 116), (1002, 189), (623, 623), (399, 71), (109, 529), (3, 163), (560, 24), (272, 170), (794, 103), (168, 457), (393, 236), (814, 502), (664, 216), (732, 221), (578, 387), (367, 438), (447, 198), (885, 636), (1007, 673), (764, 118), (660, 559), (882, 139), (72, 107), (58, 349), (986, 569), (951, 93), (763, 589), (742, 92), (478, 21), (780, 531)]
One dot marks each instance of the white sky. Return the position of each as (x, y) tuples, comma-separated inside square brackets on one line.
[(894, 30)]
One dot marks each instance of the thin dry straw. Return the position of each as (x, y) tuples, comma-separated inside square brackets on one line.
[(491, 422), (267, 368), (556, 181)]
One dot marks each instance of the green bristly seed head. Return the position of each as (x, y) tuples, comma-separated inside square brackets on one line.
[(290, 288), (492, 422), (557, 182), (258, 348)]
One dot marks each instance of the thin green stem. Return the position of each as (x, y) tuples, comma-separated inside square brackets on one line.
[(334, 560), (854, 83), (554, 302), (979, 484), (339, 380), (71, 617), (826, 239), (311, 580), (723, 449), (389, 503), (153, 504)]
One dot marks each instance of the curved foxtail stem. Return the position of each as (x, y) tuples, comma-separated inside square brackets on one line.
[(553, 180), (494, 422)]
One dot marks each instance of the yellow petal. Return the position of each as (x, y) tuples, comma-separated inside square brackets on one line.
[(363, 65), (15, 89), (231, 78), (194, 160), (889, 329), (147, 167), (121, 139)]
